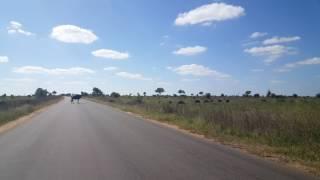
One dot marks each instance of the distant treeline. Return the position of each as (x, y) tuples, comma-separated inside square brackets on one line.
[(159, 92)]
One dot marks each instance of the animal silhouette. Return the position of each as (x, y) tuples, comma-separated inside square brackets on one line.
[(75, 97)]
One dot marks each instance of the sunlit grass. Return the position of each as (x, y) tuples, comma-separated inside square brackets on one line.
[(291, 126), (12, 108)]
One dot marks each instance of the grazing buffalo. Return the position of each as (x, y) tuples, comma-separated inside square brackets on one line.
[(75, 97)]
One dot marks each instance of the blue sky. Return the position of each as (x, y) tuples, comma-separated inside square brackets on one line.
[(134, 46)]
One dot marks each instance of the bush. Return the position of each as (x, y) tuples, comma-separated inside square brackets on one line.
[(181, 102), (115, 95), (96, 92), (197, 101), (139, 99), (40, 93)]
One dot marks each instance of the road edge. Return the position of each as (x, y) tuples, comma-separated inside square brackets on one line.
[(241, 147), (24, 119)]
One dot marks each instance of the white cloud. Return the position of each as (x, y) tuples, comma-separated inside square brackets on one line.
[(17, 28), (110, 68), (190, 51), (4, 59), (111, 54), (209, 13), (311, 61), (258, 34), (54, 71), (128, 75), (73, 34), (257, 70), (199, 70), (271, 53), (279, 40), (306, 62)]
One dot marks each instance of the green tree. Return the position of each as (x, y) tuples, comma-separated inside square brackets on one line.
[(269, 93), (115, 94), (54, 92), (96, 92), (40, 93), (200, 93), (159, 90), (208, 95), (84, 93), (144, 94), (181, 92), (247, 94), (318, 95)]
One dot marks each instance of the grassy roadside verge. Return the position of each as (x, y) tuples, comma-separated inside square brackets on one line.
[(285, 130), (13, 108)]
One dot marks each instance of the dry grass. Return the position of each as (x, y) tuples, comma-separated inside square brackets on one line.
[(12, 108), (287, 127)]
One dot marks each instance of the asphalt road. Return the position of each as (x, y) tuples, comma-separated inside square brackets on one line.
[(90, 141)]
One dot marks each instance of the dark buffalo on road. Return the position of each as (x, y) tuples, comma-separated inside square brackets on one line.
[(75, 97)]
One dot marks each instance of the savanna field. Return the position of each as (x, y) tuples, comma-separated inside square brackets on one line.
[(288, 127)]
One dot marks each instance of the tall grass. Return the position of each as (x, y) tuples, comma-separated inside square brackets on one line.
[(13, 107), (290, 125)]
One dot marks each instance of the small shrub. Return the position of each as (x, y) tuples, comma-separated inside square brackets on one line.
[(219, 100), (197, 101), (115, 94), (170, 102), (206, 101), (227, 101), (139, 99), (181, 102)]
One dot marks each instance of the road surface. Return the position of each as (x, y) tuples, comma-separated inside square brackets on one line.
[(90, 141)]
